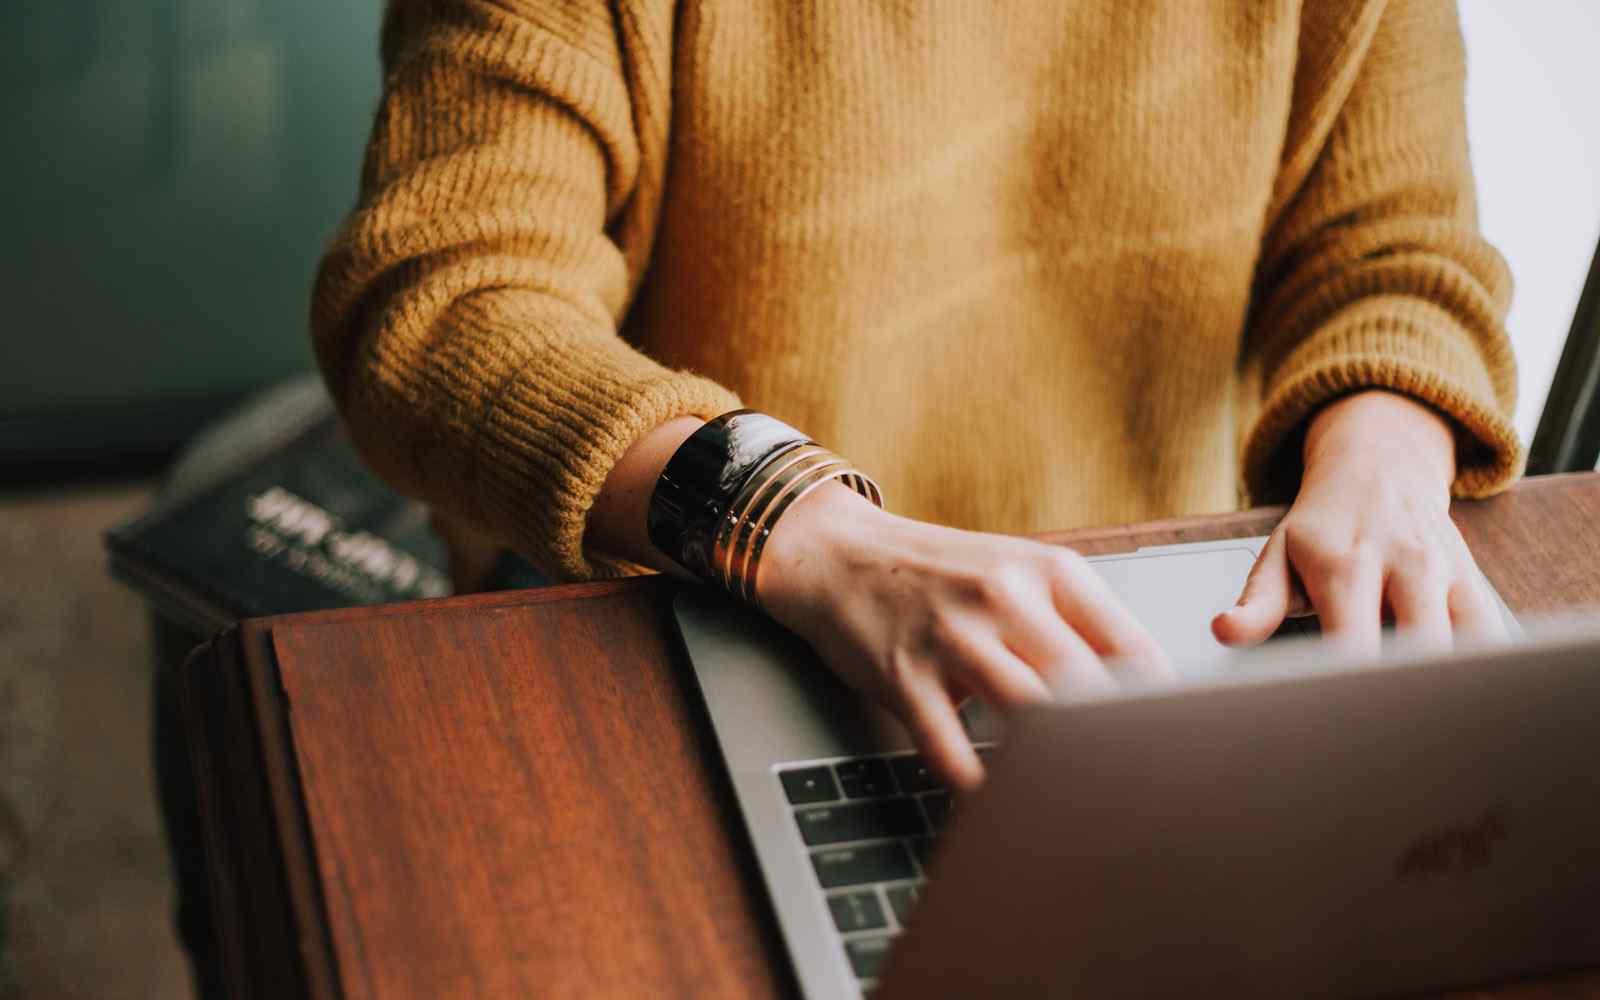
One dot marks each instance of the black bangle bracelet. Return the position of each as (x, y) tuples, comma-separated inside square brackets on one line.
[(703, 477)]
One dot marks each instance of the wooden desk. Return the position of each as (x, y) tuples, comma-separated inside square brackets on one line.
[(516, 794)]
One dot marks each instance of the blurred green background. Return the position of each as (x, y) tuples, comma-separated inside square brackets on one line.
[(173, 169)]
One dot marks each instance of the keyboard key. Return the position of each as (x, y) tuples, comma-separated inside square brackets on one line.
[(901, 899), (809, 784), (865, 779), (859, 821), (914, 774), (857, 911), (844, 866), (868, 954), (938, 807), (922, 847)]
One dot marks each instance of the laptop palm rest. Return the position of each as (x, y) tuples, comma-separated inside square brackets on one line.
[(770, 700)]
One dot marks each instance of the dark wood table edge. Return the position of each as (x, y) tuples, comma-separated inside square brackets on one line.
[(1097, 541), (238, 727), (270, 875)]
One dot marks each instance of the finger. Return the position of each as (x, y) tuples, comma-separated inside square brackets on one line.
[(1000, 676), (1073, 670), (1474, 613), (1050, 647), (1348, 596), (1420, 601), (1264, 602), (1081, 680), (1101, 623), (1054, 648), (936, 729)]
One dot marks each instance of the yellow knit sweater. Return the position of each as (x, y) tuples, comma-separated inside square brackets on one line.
[(1031, 265)]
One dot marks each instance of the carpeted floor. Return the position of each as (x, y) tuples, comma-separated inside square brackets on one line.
[(84, 882)]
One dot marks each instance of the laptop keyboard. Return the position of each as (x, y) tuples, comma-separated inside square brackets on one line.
[(869, 825)]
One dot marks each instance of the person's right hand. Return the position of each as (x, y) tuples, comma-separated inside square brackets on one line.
[(916, 616)]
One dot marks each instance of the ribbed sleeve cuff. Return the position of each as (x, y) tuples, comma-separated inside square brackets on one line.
[(1406, 346), (550, 442)]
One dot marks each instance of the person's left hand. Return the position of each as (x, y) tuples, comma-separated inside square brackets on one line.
[(1369, 535)]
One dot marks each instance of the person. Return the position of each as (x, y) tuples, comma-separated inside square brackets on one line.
[(1030, 266)]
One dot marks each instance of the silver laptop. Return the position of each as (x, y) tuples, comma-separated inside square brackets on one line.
[(1239, 815)]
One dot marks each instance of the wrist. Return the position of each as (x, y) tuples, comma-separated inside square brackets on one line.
[(617, 522), (1381, 431), (805, 548)]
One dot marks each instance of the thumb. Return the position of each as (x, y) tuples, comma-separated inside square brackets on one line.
[(1264, 602)]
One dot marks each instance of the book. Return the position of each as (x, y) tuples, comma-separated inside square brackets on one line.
[(271, 512)]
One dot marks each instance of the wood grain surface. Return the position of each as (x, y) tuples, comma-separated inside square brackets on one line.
[(516, 795)]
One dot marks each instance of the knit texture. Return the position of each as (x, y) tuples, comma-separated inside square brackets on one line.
[(1033, 266)]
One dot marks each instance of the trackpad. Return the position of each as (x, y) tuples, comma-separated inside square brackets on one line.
[(1176, 592)]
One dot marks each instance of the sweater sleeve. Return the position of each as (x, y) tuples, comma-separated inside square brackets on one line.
[(466, 314), (1373, 273)]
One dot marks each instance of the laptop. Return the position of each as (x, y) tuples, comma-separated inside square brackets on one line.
[(1241, 813)]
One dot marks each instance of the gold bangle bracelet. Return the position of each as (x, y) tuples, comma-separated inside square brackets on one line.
[(761, 512), (782, 492), (721, 493), (758, 502), (770, 491), (725, 540), (751, 567)]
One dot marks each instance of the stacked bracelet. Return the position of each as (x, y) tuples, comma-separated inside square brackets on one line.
[(724, 490)]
